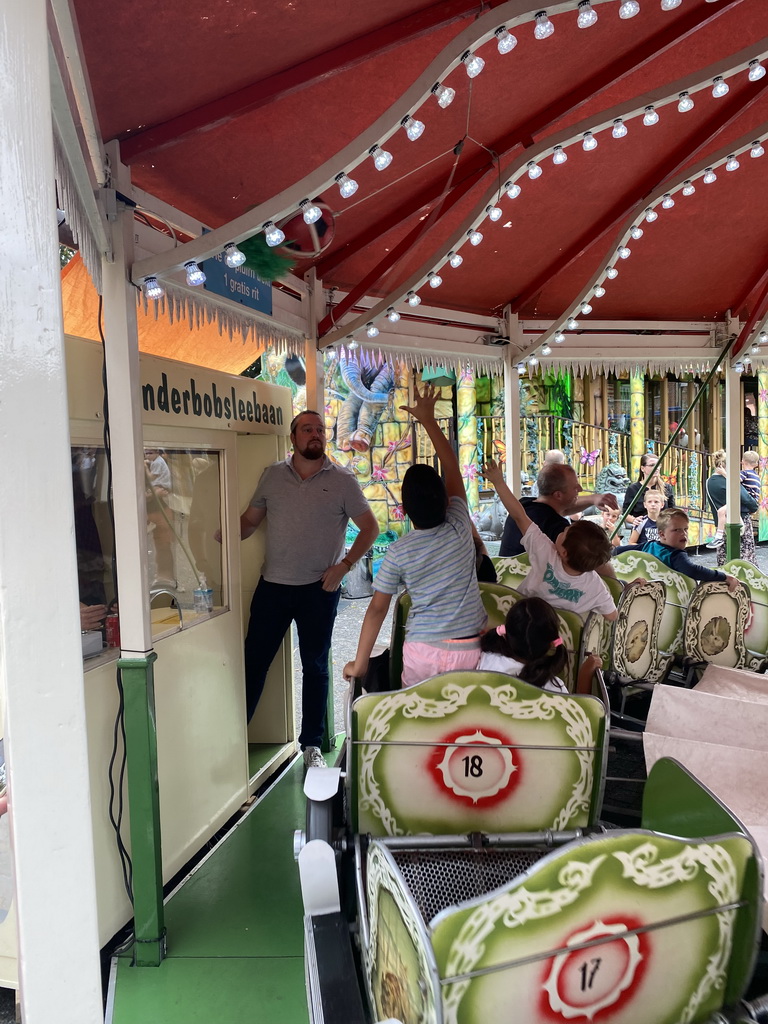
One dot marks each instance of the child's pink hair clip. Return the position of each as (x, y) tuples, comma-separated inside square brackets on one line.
[(501, 630)]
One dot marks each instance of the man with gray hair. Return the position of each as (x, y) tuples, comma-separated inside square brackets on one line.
[(554, 457), (559, 491)]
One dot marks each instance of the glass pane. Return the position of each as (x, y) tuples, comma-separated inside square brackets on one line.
[(184, 502), (94, 542)]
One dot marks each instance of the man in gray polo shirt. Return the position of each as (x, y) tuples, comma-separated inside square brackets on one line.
[(307, 501)]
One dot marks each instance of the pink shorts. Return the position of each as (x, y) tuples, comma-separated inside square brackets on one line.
[(422, 661)]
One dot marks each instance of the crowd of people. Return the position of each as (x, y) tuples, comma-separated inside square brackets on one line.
[(307, 501)]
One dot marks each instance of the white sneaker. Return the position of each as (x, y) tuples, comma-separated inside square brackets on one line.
[(313, 758)]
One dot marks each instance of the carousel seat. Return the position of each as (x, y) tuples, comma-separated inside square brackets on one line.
[(655, 924), (637, 662), (715, 630), (634, 565), (756, 582)]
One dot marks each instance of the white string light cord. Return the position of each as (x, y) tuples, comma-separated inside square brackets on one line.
[(266, 217), (615, 121)]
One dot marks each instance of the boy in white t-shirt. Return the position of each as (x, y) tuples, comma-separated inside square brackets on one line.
[(562, 572)]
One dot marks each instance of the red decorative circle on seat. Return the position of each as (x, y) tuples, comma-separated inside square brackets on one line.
[(477, 765)]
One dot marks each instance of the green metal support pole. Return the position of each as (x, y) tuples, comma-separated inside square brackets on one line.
[(732, 540), (144, 802)]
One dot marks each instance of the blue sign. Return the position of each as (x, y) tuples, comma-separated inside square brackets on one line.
[(239, 284)]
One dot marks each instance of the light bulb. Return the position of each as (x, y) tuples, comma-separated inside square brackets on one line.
[(381, 158), (670, 5), (273, 235), (709, 176), (572, 324), (310, 212), (533, 361), (544, 26), (513, 189), (559, 337), (347, 186), (756, 71), (624, 252), (435, 280), (494, 212), (392, 315), (505, 41), (152, 288), (684, 103), (720, 87), (455, 259), (757, 150), (763, 337), (474, 237), (546, 350), (688, 188), (611, 273), (619, 129), (650, 116), (599, 292), (413, 129), (559, 156), (636, 232), (351, 343), (590, 142), (755, 349), (444, 94), (667, 202), (651, 215), (587, 17), (372, 330), (629, 9), (233, 256), (195, 275), (413, 299), (473, 64), (521, 368), (732, 164), (586, 309), (738, 367), (534, 171)]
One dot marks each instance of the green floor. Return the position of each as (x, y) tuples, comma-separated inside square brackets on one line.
[(235, 940)]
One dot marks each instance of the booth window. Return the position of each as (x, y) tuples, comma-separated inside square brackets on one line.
[(184, 503), (184, 506)]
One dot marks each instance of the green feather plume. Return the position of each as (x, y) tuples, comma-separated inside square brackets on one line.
[(266, 263)]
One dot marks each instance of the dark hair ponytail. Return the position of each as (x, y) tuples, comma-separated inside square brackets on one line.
[(530, 634)]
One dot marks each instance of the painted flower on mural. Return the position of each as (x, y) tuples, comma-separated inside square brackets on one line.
[(379, 474), (763, 461), (469, 472), (763, 395), (398, 513), (467, 376), (764, 503)]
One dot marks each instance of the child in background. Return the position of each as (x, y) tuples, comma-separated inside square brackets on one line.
[(646, 530), (563, 572), (529, 647), (750, 481), (672, 525), (436, 564)]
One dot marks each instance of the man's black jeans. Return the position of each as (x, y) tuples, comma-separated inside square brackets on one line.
[(273, 608)]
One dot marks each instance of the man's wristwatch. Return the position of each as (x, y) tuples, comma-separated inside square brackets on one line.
[(348, 562)]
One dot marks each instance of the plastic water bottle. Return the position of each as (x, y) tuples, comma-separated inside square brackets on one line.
[(203, 598)]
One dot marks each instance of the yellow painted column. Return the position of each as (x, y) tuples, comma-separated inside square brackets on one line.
[(466, 405), (637, 420), (762, 450)]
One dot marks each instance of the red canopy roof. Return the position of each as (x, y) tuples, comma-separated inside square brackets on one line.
[(221, 106)]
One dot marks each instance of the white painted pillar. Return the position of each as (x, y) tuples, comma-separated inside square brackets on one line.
[(512, 403), (512, 422), (127, 443), (733, 420), (41, 666), (313, 358)]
